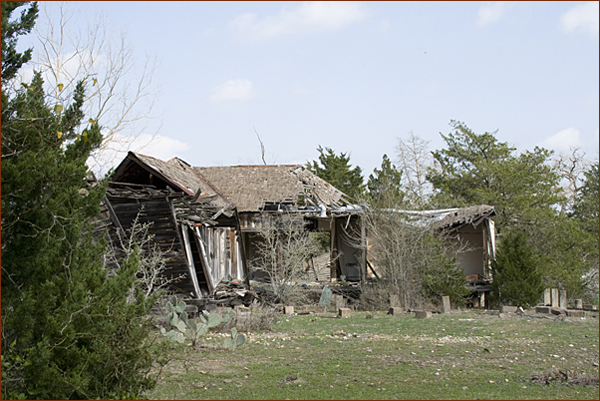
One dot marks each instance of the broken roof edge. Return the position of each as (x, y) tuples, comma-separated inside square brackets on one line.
[(154, 165), (259, 185), (453, 217), (134, 157), (175, 165)]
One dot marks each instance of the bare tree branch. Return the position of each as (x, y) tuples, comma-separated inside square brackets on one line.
[(262, 147), (414, 159), (120, 96), (571, 168), (284, 249)]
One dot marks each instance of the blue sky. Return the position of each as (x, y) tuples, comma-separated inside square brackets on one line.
[(355, 77)]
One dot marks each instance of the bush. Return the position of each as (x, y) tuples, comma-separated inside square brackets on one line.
[(517, 280), (442, 275), (82, 339)]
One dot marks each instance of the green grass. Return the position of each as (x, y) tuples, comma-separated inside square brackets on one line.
[(463, 355)]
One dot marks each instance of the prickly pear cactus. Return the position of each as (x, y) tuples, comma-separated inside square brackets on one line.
[(183, 327), (186, 328), (235, 340), (228, 316)]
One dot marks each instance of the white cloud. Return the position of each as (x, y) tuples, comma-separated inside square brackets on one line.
[(563, 141), (235, 89), (161, 147), (491, 11), (581, 18), (312, 16)]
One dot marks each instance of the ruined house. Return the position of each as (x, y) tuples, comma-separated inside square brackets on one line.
[(475, 228), (205, 219), (196, 228), (256, 190)]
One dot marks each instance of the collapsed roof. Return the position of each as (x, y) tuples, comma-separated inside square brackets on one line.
[(178, 175), (250, 188)]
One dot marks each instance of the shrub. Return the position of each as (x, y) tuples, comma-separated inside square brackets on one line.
[(517, 280)]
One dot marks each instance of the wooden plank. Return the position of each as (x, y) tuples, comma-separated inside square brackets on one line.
[(204, 258), (238, 233), (190, 261), (129, 184), (363, 253), (113, 215), (233, 266), (221, 253), (373, 270)]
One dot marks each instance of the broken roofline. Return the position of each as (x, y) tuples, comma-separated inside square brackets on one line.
[(344, 210), (142, 161), (265, 165), (253, 188), (185, 177), (456, 216)]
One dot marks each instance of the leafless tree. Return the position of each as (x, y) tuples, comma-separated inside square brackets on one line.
[(284, 249), (414, 159), (120, 94), (415, 262), (571, 167)]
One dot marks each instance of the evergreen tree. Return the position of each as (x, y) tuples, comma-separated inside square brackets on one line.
[(586, 203), (517, 278), (479, 169), (439, 272), (525, 192), (337, 171), (386, 182), (11, 59), (68, 329), (585, 212)]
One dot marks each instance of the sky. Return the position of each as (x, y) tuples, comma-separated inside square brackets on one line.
[(356, 76)]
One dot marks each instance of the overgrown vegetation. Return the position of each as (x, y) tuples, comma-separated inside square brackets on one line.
[(284, 248), (152, 264), (186, 328), (414, 263)]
